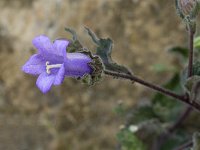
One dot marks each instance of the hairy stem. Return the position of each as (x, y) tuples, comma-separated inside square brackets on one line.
[(188, 110), (191, 43), (157, 88)]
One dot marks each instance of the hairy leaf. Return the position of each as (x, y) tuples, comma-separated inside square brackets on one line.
[(152, 129), (175, 140), (180, 51), (140, 113), (166, 108), (104, 50)]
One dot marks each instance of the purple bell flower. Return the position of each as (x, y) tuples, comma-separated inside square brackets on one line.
[(52, 63)]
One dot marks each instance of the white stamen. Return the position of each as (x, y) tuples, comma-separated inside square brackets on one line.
[(48, 67)]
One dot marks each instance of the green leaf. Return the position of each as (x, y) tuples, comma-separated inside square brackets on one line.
[(129, 141), (141, 113), (104, 50), (197, 42), (166, 108), (180, 51), (148, 131), (159, 67), (175, 140), (163, 68), (75, 45), (120, 109), (196, 68)]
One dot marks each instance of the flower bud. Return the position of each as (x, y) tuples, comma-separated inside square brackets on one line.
[(188, 11), (187, 6)]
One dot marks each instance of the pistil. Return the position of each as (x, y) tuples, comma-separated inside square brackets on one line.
[(48, 67)]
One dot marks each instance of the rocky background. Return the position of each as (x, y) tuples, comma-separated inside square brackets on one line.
[(74, 116)]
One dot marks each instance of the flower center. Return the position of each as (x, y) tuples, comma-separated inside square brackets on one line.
[(48, 67)]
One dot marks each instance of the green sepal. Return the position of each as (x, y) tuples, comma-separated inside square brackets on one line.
[(75, 45), (96, 64), (97, 67), (104, 50)]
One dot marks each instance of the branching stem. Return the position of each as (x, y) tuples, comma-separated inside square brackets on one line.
[(157, 88)]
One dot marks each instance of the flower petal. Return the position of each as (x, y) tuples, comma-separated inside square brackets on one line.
[(51, 52), (76, 65), (60, 76), (45, 81), (43, 44), (60, 47), (35, 65)]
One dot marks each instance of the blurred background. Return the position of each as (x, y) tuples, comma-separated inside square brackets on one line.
[(75, 116)]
